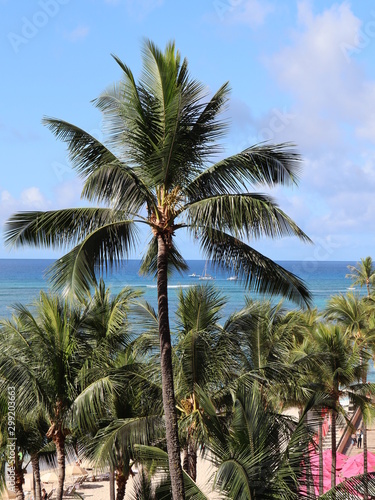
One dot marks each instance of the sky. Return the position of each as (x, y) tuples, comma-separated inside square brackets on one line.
[(299, 71)]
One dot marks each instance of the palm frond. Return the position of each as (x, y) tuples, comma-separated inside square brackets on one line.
[(120, 187), (159, 459), (74, 273), (352, 488), (248, 215), (149, 262), (86, 153), (56, 228), (259, 164), (258, 272)]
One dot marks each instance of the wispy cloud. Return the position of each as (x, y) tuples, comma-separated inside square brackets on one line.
[(139, 9), (79, 33), (248, 12), (331, 101)]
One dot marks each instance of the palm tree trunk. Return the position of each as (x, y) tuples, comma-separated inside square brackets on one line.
[(112, 484), (333, 447), (192, 457), (36, 476), (121, 480), (59, 440), (18, 479), (365, 464), (190, 460), (170, 413), (321, 487)]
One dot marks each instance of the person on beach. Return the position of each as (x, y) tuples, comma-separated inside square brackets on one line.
[(360, 434), (44, 494), (354, 439)]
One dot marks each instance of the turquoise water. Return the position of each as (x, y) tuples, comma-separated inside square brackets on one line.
[(21, 280)]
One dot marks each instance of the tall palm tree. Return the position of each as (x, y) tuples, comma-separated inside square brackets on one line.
[(158, 169), (363, 274), (52, 352), (352, 313), (206, 358), (340, 368), (41, 354)]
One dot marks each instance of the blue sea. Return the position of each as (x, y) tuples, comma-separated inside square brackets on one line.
[(22, 279)]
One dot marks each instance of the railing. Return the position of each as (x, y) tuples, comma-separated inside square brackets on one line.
[(348, 432)]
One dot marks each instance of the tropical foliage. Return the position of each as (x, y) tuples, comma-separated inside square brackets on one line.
[(160, 168)]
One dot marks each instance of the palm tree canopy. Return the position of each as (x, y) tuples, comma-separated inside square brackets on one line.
[(158, 168), (348, 310), (363, 274)]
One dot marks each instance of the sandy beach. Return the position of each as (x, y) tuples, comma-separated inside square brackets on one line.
[(99, 490)]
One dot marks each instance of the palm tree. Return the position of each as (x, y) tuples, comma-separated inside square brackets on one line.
[(205, 359), (157, 169), (48, 349), (352, 313), (260, 454), (53, 352), (363, 274), (340, 367)]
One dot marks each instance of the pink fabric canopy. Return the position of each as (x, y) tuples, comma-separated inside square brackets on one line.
[(327, 461), (354, 465)]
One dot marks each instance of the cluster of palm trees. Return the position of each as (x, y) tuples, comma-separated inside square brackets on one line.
[(88, 383), (79, 368)]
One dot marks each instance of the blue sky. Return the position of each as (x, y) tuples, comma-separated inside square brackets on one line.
[(299, 71)]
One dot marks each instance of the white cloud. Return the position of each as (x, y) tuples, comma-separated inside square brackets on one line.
[(139, 9), (329, 92), (29, 199), (79, 33), (68, 193), (331, 119)]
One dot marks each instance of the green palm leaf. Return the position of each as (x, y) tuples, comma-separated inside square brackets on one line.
[(256, 270), (75, 273), (260, 164), (246, 215)]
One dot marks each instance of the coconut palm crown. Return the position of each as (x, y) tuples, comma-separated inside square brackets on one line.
[(158, 168)]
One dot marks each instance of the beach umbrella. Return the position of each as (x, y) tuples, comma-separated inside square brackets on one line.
[(75, 470), (327, 461), (354, 465), (49, 477)]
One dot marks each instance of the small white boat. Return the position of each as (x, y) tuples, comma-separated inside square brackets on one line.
[(194, 275), (206, 276), (232, 278)]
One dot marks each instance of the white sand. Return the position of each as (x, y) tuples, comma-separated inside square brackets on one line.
[(99, 490)]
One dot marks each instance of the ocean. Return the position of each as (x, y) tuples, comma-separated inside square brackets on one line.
[(22, 279)]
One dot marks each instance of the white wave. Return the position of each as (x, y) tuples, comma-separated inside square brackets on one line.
[(170, 286)]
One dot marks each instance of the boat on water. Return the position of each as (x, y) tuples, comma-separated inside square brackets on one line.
[(232, 278), (194, 275), (206, 276)]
